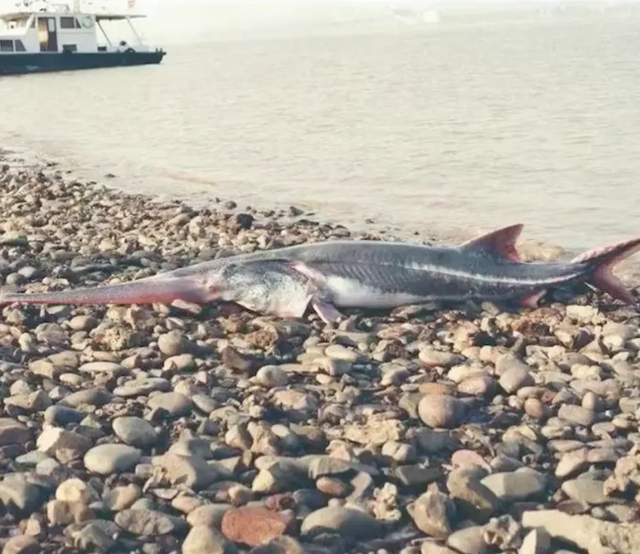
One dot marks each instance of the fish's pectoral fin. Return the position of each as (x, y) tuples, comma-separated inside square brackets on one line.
[(500, 242), (315, 275), (531, 301), (326, 311)]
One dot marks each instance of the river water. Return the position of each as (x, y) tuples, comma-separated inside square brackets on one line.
[(484, 118)]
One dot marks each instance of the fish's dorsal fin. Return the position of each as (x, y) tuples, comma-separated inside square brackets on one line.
[(501, 242)]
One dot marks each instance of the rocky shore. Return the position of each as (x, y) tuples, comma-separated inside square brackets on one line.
[(211, 430)]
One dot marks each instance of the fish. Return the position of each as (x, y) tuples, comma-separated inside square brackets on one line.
[(365, 274), (262, 286)]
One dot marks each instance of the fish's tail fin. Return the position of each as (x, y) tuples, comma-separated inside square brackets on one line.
[(602, 261), (145, 291)]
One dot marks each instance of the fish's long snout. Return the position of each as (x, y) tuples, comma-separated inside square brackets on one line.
[(602, 261), (146, 291)]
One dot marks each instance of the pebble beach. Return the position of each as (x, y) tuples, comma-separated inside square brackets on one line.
[(190, 429)]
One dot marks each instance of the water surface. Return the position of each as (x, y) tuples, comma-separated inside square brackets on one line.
[(486, 118)]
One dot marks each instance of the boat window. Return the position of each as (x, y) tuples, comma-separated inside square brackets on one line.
[(18, 23), (6, 46), (69, 23), (20, 47), (70, 48)]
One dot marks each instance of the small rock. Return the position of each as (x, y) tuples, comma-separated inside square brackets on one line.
[(441, 411), (205, 540), (576, 415), (516, 486), (436, 358), (537, 541), (515, 377), (253, 525), (209, 515), (135, 431), (271, 376), (176, 404), (430, 515), (75, 490), (348, 522), (13, 432), (149, 522), (585, 490), (469, 540), (121, 498), (21, 544), (107, 459)]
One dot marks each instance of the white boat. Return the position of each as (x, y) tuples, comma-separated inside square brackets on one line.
[(43, 36)]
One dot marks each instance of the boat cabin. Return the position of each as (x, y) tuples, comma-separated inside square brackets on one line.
[(61, 30)]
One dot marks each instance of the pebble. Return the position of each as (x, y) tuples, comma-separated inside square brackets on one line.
[(588, 491), (271, 376), (204, 540), (135, 431), (348, 522), (162, 429), (107, 459), (516, 486), (174, 403), (21, 544), (576, 415), (430, 514), (441, 411), (253, 525), (149, 523)]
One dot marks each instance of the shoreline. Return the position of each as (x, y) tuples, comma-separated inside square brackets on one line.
[(205, 430), (530, 248)]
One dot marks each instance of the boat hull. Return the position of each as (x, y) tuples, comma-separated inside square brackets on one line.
[(20, 64)]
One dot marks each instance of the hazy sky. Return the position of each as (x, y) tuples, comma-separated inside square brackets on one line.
[(176, 21)]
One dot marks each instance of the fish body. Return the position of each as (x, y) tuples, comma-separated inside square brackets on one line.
[(386, 274), (364, 274)]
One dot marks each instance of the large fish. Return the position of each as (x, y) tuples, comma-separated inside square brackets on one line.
[(364, 274)]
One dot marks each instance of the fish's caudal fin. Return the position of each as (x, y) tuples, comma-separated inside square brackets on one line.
[(602, 260), (146, 291), (500, 243)]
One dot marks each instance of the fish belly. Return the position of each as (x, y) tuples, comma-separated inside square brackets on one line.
[(346, 292)]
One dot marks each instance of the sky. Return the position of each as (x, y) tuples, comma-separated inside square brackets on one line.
[(180, 21)]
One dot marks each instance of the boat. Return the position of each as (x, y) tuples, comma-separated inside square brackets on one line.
[(416, 17), (43, 37)]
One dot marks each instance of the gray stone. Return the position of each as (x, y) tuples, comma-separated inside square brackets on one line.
[(576, 415), (348, 522), (135, 431), (107, 459), (516, 486), (149, 523), (586, 490), (430, 514), (178, 405)]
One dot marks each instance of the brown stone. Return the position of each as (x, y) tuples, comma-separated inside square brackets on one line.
[(436, 388), (253, 525)]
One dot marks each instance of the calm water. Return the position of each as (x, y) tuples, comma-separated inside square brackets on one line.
[(484, 119)]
